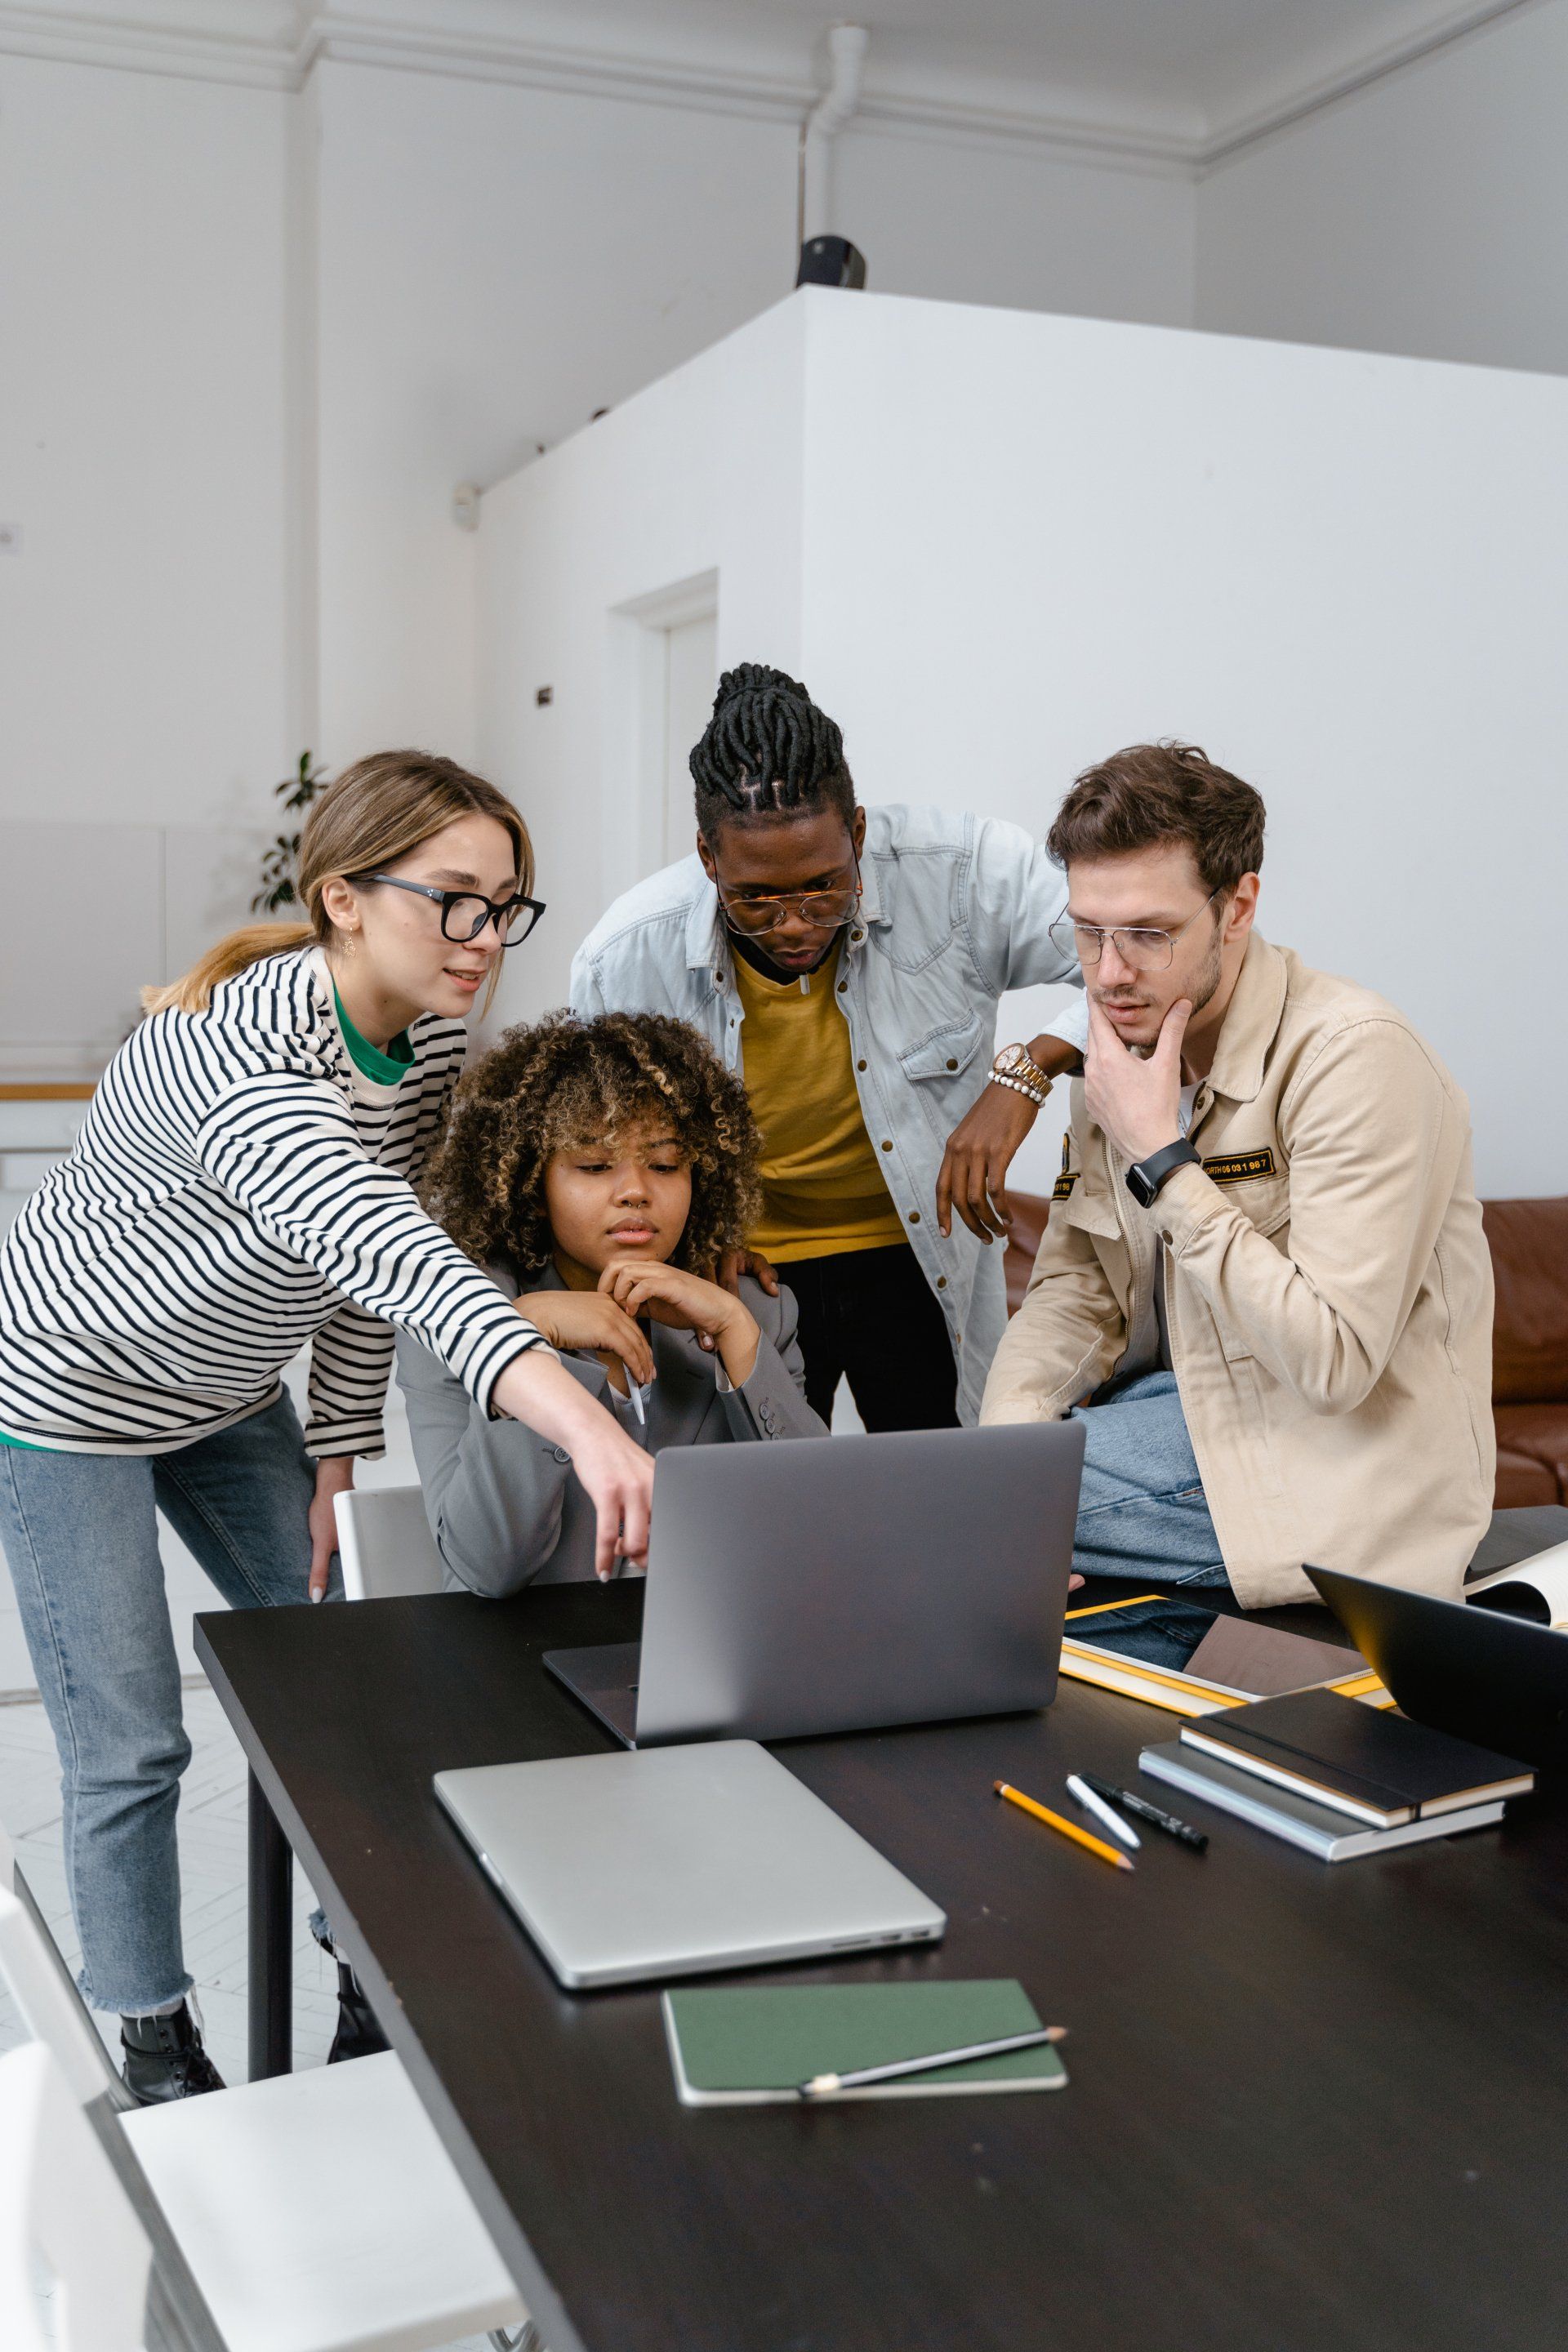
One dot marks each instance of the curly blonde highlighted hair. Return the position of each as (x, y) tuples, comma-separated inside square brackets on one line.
[(563, 1082)]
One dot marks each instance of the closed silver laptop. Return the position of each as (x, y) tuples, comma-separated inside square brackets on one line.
[(845, 1583), (678, 1861)]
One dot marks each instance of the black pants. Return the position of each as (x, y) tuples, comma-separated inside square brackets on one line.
[(871, 1317)]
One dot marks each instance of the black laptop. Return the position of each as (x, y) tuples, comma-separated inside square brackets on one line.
[(1482, 1676)]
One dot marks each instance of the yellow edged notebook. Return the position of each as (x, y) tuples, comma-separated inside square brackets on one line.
[(1172, 1653)]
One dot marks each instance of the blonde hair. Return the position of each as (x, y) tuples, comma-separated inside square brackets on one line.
[(378, 810)]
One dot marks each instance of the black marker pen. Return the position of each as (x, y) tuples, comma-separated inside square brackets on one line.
[(1144, 1811)]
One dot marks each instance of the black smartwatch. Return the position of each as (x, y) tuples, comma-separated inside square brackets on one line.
[(1146, 1177)]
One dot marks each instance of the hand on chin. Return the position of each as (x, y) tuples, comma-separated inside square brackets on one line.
[(1133, 1093)]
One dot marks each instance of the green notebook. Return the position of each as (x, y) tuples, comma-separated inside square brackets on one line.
[(748, 2045)]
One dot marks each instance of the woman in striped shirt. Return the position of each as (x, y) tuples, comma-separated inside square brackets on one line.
[(242, 1184)]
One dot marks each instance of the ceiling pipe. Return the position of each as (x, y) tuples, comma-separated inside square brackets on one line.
[(847, 46)]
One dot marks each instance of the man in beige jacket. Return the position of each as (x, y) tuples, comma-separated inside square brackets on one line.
[(1264, 1285)]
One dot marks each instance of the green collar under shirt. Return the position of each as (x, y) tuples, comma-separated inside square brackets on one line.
[(387, 1069)]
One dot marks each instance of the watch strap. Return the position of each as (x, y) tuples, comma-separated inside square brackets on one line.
[(1146, 1177), (1015, 1066)]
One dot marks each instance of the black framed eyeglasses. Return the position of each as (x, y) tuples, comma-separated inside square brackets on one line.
[(465, 913), (830, 909)]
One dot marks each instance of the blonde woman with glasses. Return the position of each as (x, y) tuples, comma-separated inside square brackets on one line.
[(243, 1186)]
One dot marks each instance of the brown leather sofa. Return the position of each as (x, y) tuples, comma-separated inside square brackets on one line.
[(1028, 1212), (1529, 1243)]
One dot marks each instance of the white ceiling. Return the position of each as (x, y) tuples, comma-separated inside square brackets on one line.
[(1179, 81), (1202, 66)]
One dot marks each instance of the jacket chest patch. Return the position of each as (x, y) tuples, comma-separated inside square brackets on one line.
[(1239, 1167), (1068, 1176)]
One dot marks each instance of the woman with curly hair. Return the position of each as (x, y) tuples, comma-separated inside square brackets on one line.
[(596, 1169)]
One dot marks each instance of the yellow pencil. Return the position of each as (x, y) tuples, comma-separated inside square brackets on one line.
[(1068, 1829)]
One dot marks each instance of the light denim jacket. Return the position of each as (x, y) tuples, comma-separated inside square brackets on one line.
[(957, 909)]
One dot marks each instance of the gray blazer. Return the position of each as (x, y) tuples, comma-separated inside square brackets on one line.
[(505, 1506)]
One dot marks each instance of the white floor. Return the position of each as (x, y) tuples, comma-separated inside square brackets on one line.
[(213, 1874), (211, 1815), (213, 1879), (212, 1832)]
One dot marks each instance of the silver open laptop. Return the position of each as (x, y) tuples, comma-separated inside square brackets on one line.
[(678, 1861), (844, 1583)]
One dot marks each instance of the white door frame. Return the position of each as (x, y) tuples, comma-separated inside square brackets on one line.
[(637, 684)]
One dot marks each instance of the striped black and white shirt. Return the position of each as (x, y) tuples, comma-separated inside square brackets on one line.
[(239, 1187)]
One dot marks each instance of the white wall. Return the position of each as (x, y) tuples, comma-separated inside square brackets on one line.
[(700, 475), (1429, 215), (1329, 569), (254, 339), (143, 669), (993, 224), (141, 410), (1026, 540), (496, 263)]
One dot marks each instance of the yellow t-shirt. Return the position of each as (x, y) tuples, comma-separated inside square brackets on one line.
[(822, 1187)]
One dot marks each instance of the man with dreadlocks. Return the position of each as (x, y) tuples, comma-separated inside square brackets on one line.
[(847, 963)]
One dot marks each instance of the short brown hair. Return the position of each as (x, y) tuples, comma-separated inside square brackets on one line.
[(565, 1082), (1163, 792)]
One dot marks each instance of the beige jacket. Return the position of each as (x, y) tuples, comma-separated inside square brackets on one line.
[(1329, 1292)]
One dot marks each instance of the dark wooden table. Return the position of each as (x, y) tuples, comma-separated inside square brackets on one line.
[(1311, 2109)]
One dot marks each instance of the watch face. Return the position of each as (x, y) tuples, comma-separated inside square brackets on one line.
[(1010, 1058)]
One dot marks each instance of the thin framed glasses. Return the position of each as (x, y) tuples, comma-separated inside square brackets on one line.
[(465, 913), (824, 909), (1141, 950)]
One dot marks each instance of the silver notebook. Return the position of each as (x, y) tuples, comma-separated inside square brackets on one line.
[(674, 1861)]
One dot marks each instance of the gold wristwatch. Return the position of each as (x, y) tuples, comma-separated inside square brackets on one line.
[(1013, 1068)]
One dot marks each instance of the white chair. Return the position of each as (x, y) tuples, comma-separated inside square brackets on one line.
[(318, 2212), (385, 1544), (64, 2219)]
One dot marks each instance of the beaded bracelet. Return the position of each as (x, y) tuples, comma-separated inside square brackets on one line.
[(1032, 1094)]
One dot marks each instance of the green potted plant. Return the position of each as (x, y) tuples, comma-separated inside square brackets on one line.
[(295, 792)]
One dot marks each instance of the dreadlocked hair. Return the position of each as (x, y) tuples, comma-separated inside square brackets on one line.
[(563, 1082), (768, 752)]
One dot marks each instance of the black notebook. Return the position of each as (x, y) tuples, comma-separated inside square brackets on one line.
[(1361, 1760)]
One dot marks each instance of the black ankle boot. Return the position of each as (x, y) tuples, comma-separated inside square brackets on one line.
[(358, 2034), (164, 2058)]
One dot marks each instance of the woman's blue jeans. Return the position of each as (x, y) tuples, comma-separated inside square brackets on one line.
[(80, 1536)]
